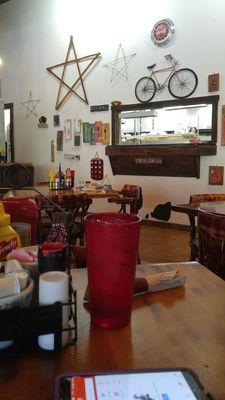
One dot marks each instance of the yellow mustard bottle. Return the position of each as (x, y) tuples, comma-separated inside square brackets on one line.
[(51, 179), (9, 239)]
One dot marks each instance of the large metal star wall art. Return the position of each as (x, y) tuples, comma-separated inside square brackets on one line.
[(78, 80), (30, 106), (119, 65)]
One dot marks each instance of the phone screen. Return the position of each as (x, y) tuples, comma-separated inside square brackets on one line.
[(166, 385)]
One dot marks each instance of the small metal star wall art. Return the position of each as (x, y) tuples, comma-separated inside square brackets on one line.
[(79, 75), (30, 106), (119, 65)]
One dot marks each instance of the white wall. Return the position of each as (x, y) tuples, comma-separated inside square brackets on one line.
[(35, 35)]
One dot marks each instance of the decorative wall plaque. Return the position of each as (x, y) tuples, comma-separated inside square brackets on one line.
[(223, 126), (42, 122), (59, 141), (119, 65), (103, 107), (213, 82), (72, 88), (56, 120), (216, 175), (30, 106)]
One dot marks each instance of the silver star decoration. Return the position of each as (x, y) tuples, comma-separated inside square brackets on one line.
[(30, 106), (119, 65)]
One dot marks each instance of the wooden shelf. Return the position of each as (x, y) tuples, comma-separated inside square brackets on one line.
[(159, 160)]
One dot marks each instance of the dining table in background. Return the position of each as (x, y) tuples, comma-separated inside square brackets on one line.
[(44, 189), (179, 327)]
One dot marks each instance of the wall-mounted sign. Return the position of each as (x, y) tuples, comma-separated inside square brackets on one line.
[(101, 107), (148, 161)]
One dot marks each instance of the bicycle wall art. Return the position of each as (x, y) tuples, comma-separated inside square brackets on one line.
[(181, 82)]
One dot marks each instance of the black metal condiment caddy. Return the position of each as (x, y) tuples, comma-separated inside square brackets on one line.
[(24, 325)]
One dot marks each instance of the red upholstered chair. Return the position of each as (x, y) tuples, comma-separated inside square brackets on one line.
[(23, 211)]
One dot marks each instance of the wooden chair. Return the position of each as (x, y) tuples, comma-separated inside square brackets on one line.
[(206, 198), (197, 199), (75, 205), (78, 205), (211, 228), (130, 196), (78, 256)]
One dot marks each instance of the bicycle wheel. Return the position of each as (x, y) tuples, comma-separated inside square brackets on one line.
[(183, 83), (145, 89)]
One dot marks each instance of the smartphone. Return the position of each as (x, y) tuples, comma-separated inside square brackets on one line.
[(174, 384)]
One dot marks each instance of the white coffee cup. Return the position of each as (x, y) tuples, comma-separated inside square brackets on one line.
[(53, 287)]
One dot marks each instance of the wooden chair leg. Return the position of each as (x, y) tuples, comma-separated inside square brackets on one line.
[(138, 259)]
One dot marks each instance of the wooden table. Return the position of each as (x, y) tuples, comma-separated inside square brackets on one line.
[(29, 193), (180, 327)]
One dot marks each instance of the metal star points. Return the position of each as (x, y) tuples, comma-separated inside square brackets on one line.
[(30, 106), (119, 65), (79, 80)]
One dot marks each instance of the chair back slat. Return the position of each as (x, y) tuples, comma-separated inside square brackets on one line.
[(211, 228), (75, 205), (206, 197)]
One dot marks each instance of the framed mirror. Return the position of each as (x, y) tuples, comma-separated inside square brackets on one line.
[(184, 121)]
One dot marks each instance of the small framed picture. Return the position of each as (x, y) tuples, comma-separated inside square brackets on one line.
[(213, 82), (223, 126), (216, 175), (68, 129), (56, 120), (77, 124), (76, 140), (59, 142)]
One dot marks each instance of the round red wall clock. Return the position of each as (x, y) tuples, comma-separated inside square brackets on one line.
[(162, 32)]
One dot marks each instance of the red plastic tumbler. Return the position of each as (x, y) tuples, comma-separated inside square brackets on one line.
[(112, 247)]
